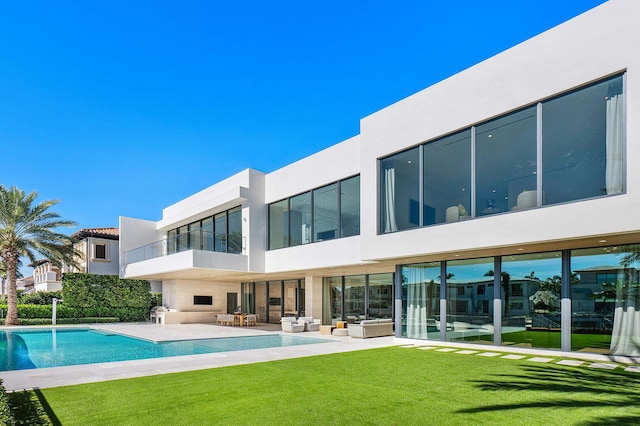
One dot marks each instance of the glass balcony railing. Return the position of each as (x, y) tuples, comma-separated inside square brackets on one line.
[(193, 240)]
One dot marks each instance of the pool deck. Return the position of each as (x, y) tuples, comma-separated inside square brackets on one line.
[(73, 375)]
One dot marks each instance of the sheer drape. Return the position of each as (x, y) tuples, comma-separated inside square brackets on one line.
[(625, 337), (417, 304), (614, 143), (390, 224)]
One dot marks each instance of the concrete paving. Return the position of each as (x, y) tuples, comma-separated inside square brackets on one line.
[(73, 375)]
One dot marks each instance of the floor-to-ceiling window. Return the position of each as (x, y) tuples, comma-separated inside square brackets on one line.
[(531, 293), (332, 300), (605, 295), (469, 300), (221, 232), (380, 302), (354, 298), (421, 301)]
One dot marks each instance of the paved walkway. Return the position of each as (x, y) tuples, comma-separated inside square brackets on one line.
[(89, 373)]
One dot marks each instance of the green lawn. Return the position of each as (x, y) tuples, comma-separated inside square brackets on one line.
[(387, 386)]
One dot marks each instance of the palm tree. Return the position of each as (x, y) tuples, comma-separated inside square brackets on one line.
[(27, 228)]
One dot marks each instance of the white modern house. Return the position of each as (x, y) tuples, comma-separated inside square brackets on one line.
[(498, 206)]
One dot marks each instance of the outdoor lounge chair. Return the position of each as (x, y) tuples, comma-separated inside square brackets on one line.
[(251, 319), (290, 325)]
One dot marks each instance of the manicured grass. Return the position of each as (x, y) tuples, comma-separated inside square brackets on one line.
[(387, 386)]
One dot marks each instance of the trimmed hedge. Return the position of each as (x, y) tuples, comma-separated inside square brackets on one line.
[(88, 295)]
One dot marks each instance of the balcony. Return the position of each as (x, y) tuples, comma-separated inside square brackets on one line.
[(193, 240)]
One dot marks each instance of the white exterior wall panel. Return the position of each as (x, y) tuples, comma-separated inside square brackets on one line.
[(580, 51)]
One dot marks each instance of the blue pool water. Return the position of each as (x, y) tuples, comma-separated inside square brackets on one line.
[(41, 348)]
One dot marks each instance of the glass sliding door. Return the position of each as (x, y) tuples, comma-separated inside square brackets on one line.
[(605, 300), (400, 191), (262, 302), (380, 301), (195, 236), (470, 300), (332, 300), (354, 298), (290, 298), (421, 301), (531, 294), (275, 301), (447, 179)]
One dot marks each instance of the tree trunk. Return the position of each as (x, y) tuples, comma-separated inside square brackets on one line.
[(11, 261)]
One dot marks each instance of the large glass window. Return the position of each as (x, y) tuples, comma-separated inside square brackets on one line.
[(470, 300), (400, 191), (332, 300), (207, 234), (234, 242), (605, 294), (447, 179), (354, 298), (421, 301), (531, 293), (220, 225), (325, 213), (350, 207), (332, 211), (279, 224), (576, 140), (582, 143), (506, 163), (300, 219), (380, 296)]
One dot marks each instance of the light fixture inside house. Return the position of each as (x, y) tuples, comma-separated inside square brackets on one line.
[(602, 241), (489, 135)]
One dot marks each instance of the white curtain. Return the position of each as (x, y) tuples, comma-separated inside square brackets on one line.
[(417, 300), (390, 224), (625, 337), (614, 143)]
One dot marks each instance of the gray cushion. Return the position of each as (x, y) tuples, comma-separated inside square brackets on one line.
[(365, 322)]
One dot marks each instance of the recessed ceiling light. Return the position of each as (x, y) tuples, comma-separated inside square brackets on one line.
[(602, 241), (520, 249)]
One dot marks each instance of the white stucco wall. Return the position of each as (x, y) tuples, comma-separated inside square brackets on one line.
[(178, 294)]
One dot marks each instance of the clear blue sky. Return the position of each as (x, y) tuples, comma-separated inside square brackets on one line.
[(121, 108)]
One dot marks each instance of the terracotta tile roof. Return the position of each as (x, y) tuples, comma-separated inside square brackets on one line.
[(107, 233)]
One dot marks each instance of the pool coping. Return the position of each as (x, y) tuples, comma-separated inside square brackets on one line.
[(41, 378)]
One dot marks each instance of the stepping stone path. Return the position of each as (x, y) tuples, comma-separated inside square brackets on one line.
[(567, 362)]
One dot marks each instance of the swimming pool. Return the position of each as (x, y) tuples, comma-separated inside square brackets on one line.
[(42, 348)]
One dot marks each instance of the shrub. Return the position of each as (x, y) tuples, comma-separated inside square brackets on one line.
[(6, 416), (40, 298)]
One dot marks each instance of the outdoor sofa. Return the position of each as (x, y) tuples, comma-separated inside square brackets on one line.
[(371, 328)]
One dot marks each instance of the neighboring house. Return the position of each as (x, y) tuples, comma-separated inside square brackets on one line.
[(472, 210), (98, 249), (25, 284), (46, 276)]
